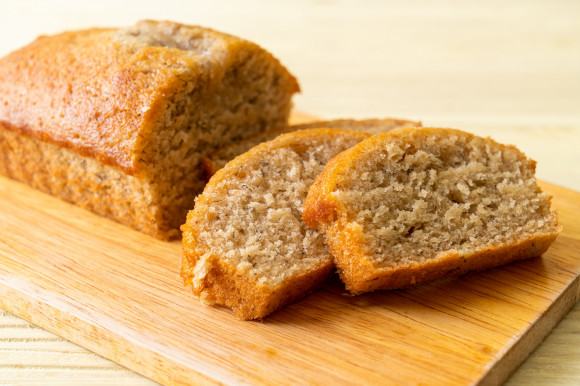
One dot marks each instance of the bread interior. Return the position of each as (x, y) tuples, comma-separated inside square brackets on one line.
[(425, 194), (253, 217)]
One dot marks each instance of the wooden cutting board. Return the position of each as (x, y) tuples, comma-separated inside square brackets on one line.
[(118, 293)]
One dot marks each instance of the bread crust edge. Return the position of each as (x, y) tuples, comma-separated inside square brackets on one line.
[(360, 275)]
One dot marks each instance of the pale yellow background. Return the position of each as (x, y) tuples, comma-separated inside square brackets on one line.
[(508, 69)]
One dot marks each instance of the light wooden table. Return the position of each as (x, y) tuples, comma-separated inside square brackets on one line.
[(510, 70)]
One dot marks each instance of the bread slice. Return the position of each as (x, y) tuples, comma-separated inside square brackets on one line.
[(244, 244), (414, 205), (217, 159), (117, 120)]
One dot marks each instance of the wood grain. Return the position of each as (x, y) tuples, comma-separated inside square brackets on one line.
[(39, 356), (505, 69), (118, 293)]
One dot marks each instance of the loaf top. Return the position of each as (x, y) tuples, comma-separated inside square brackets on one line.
[(101, 92)]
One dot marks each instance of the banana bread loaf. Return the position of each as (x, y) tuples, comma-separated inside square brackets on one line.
[(117, 120), (244, 244), (217, 160), (415, 205)]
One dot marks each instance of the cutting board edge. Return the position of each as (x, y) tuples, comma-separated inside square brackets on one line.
[(505, 365), (97, 339)]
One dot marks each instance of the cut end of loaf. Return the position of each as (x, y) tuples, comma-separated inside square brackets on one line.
[(246, 91), (413, 199)]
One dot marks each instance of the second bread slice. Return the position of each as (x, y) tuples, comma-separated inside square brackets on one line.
[(245, 245), (219, 158), (415, 205)]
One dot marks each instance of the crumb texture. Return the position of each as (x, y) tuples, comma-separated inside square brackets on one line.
[(253, 218), (217, 160), (257, 227), (417, 194), (250, 214), (80, 180)]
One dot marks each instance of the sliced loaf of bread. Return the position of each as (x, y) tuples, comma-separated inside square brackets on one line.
[(244, 244), (415, 205), (117, 120), (216, 160)]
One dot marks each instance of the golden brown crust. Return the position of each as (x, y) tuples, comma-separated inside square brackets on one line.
[(98, 107), (320, 208), (100, 96), (359, 274), (323, 212), (249, 300)]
